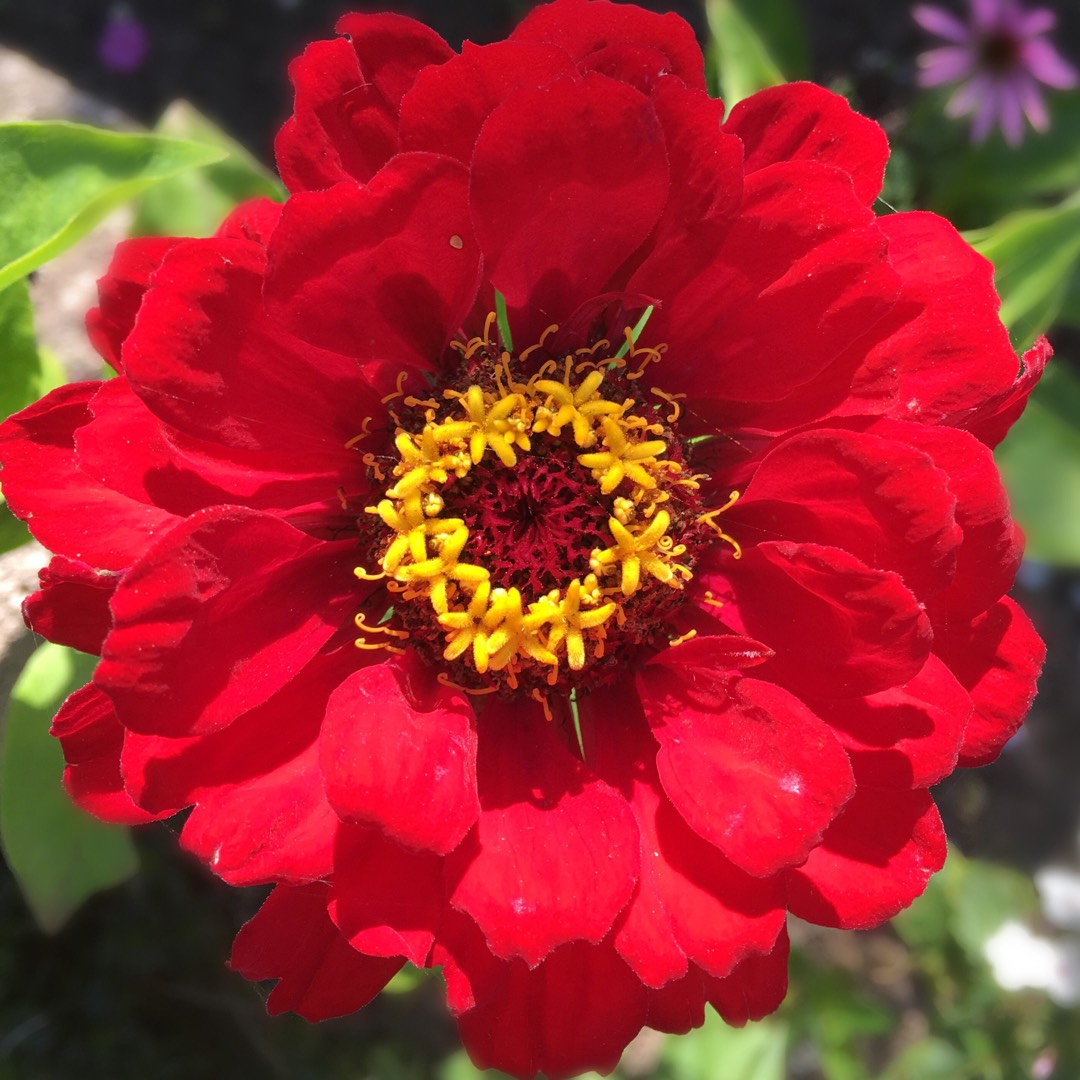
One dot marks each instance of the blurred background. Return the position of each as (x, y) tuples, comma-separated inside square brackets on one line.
[(112, 943)]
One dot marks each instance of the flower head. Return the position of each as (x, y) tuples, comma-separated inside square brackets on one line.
[(559, 541), (1001, 56)]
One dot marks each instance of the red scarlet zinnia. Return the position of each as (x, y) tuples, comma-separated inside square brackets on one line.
[(501, 626)]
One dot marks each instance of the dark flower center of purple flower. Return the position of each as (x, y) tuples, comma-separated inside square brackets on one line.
[(999, 51)]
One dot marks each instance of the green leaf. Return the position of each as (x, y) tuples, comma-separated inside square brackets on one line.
[(968, 900), (193, 203), (834, 1011), (59, 180), (1040, 462), (458, 1067), (1034, 253), (974, 184), (58, 854), (718, 1052), (755, 44), (930, 1059), (29, 371)]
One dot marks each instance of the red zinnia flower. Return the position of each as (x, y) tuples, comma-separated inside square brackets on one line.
[(666, 624)]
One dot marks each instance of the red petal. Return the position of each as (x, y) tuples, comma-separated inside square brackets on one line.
[(997, 658), (876, 498), (555, 854), (207, 360), (208, 624), (875, 859), (946, 342), (65, 509), (254, 220), (705, 192), (804, 122), (274, 827), (72, 607), (754, 989), (91, 737), (393, 50), (292, 939), (690, 901), (260, 809), (989, 556), (751, 769), (905, 737), (183, 475), (804, 261), (838, 628), (586, 30), (385, 272), (993, 420), (399, 751), (121, 290), (385, 899), (446, 107), (554, 218), (344, 124), (576, 1011)]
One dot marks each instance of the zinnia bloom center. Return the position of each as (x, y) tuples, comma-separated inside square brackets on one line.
[(540, 521)]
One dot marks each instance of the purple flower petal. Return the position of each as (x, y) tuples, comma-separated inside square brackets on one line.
[(969, 97), (1046, 64), (988, 109), (949, 64), (1034, 23), (1032, 102), (1012, 115), (940, 22)]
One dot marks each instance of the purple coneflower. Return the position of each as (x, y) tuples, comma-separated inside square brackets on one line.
[(1000, 56)]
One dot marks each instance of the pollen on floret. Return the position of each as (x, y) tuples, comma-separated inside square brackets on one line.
[(535, 517)]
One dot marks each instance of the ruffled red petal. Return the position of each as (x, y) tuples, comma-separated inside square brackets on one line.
[(802, 274), (804, 122), (997, 658), (991, 422), (905, 737), (554, 218), (399, 751), (91, 737), (386, 899), (875, 859), (837, 627), (555, 853), (589, 29), (989, 556), (67, 510), (446, 107), (292, 939), (690, 903), (72, 606), (121, 290), (575, 1011), (348, 91), (207, 624), (748, 766), (879, 499), (945, 341)]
